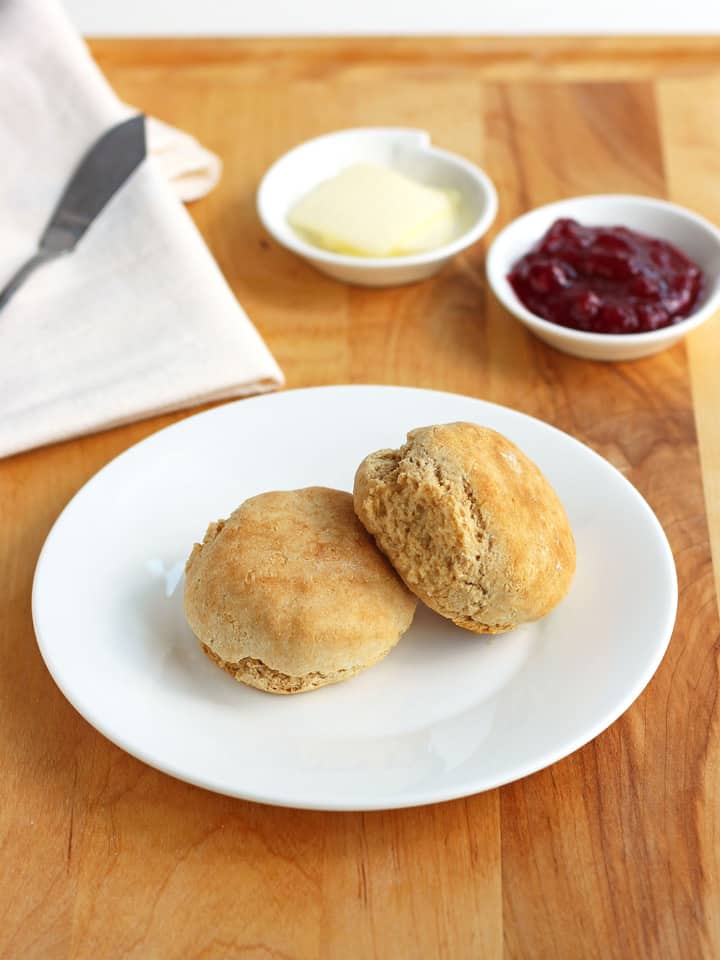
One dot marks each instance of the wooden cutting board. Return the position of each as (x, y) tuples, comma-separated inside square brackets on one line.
[(611, 853)]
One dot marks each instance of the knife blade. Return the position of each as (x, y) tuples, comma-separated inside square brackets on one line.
[(107, 165)]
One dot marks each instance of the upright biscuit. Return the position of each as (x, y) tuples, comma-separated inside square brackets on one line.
[(471, 525)]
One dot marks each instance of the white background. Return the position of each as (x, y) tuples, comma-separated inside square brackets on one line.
[(254, 17)]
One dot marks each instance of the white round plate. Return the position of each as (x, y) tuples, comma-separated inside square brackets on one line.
[(447, 714)]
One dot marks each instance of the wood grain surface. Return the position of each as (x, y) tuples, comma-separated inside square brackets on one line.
[(611, 853)]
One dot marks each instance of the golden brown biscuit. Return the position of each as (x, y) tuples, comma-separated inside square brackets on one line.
[(470, 524), (290, 593)]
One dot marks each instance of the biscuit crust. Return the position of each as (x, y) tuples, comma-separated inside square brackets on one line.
[(470, 523), (290, 593)]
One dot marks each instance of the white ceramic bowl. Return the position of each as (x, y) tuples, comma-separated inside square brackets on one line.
[(690, 233), (405, 150)]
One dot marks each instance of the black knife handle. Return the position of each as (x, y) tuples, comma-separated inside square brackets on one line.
[(21, 275)]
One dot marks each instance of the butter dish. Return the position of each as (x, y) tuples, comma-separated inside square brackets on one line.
[(405, 150)]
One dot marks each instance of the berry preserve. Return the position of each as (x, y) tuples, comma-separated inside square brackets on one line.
[(606, 279)]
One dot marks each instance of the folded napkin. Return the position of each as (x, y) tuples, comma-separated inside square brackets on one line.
[(191, 170), (138, 320)]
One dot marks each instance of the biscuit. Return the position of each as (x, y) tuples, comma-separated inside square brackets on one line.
[(471, 525), (291, 593)]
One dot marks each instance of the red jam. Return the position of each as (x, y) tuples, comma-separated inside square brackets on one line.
[(606, 279)]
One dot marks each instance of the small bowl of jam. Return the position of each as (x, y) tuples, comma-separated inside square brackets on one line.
[(608, 277)]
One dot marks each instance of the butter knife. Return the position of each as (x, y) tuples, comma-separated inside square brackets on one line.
[(102, 171)]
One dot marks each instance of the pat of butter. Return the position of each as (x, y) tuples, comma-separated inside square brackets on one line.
[(372, 211)]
